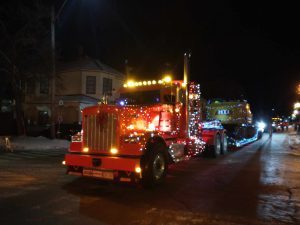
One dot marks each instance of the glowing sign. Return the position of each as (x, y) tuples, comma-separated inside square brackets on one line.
[(223, 112)]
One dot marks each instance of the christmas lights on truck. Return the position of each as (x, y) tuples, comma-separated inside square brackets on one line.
[(153, 124)]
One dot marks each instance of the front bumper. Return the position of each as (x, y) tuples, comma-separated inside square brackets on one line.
[(103, 167)]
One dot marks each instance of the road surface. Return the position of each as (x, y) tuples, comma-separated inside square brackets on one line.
[(258, 184)]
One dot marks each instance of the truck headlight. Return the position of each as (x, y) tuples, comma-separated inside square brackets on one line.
[(113, 151), (138, 169)]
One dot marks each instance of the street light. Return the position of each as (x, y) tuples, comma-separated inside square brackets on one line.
[(53, 20)]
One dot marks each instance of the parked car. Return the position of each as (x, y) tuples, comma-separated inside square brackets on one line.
[(66, 131)]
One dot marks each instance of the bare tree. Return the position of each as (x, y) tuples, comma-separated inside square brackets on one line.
[(24, 47)]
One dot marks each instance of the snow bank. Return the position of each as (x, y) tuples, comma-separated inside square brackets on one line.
[(294, 140), (37, 143)]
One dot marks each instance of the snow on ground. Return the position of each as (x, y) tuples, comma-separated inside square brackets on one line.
[(42, 143), (294, 140), (34, 143)]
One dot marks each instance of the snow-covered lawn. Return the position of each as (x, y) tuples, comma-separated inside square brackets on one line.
[(35, 143), (42, 143)]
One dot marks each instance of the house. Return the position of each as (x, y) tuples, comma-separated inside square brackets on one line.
[(79, 84)]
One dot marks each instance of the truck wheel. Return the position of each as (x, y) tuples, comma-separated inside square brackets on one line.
[(154, 165), (259, 135), (225, 144), (217, 147)]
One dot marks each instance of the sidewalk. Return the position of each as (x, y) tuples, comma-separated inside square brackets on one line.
[(33, 143)]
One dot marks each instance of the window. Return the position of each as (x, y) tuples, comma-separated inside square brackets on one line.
[(44, 85), (169, 99), (91, 85), (107, 86), (43, 117), (141, 97)]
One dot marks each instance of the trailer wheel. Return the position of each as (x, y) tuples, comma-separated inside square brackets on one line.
[(154, 165), (217, 147), (225, 144), (259, 135)]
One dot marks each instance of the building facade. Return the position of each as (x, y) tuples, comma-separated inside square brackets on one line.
[(79, 84)]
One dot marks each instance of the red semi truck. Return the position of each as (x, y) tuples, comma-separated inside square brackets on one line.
[(153, 124)]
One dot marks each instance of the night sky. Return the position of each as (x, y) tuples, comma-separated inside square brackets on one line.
[(239, 50)]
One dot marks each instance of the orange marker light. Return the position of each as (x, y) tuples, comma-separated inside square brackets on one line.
[(113, 151)]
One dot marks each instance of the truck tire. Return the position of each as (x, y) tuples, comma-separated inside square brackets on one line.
[(259, 135), (154, 165), (217, 147), (224, 144)]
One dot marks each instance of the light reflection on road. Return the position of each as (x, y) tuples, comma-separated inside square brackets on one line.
[(271, 161), (276, 200)]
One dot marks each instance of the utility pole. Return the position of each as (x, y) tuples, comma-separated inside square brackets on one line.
[(53, 74)]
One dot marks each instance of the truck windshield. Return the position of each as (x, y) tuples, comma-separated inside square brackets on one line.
[(141, 97)]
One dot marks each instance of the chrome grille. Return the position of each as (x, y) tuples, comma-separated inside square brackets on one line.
[(100, 135)]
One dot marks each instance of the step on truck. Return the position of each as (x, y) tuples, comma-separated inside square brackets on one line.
[(153, 123)]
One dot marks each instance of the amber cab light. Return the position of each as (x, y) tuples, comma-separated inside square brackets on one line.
[(113, 151), (138, 169)]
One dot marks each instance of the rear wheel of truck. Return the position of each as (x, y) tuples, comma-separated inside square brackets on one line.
[(154, 165), (225, 144), (217, 147)]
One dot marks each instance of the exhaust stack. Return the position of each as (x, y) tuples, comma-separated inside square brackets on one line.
[(186, 80)]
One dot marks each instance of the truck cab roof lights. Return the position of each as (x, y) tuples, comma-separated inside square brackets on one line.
[(131, 83), (167, 79)]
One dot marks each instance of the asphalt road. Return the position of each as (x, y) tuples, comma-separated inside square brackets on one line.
[(258, 184)]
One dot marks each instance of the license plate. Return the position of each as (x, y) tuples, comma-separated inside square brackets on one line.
[(98, 173)]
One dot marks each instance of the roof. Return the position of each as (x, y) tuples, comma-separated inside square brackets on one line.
[(87, 63), (78, 98)]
